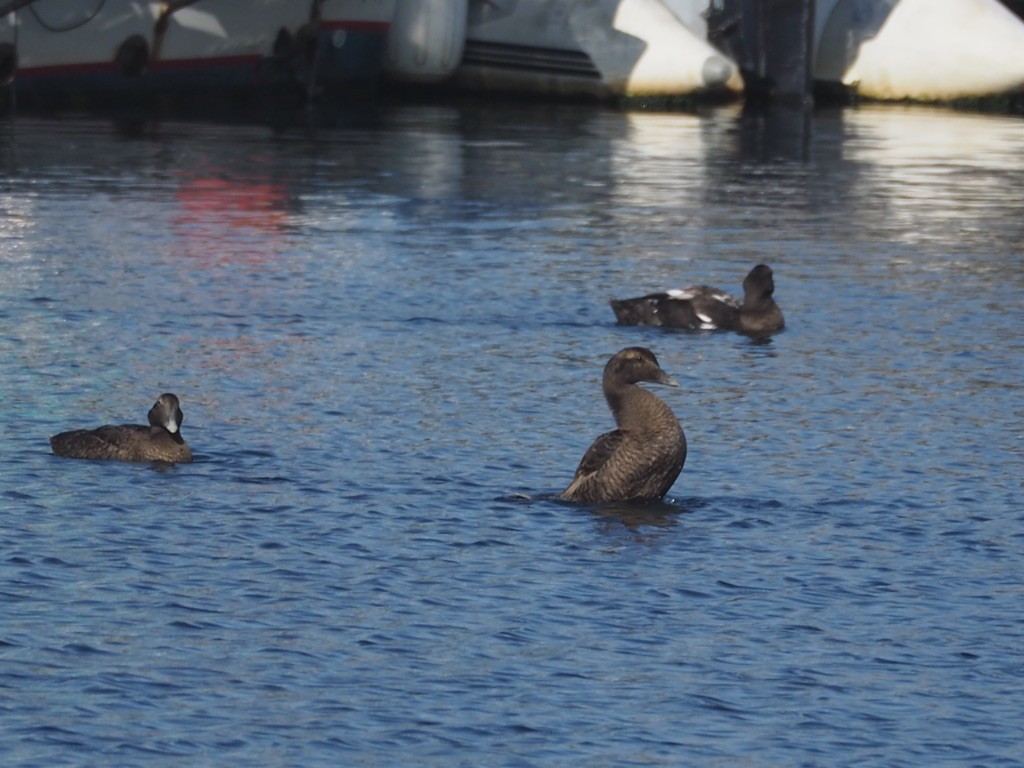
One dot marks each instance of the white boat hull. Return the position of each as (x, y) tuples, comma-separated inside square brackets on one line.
[(603, 48), (921, 50)]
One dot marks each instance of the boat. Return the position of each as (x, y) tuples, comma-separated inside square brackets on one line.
[(82, 52), (187, 52), (603, 49), (917, 50)]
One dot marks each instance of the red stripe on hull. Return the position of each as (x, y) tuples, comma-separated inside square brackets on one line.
[(228, 62), (105, 67), (89, 68)]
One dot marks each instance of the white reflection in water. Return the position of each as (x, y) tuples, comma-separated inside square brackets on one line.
[(938, 173)]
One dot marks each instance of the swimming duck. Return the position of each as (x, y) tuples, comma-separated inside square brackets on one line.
[(641, 459), (160, 441), (703, 307)]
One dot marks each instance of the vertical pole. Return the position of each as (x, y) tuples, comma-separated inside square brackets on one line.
[(773, 43)]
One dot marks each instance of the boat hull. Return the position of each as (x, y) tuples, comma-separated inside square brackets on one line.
[(88, 52), (597, 48), (919, 50)]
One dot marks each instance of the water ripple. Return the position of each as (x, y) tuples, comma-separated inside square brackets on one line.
[(391, 364)]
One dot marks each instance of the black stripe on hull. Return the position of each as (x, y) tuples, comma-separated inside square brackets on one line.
[(526, 58)]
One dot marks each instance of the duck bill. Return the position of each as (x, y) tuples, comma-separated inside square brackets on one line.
[(173, 423)]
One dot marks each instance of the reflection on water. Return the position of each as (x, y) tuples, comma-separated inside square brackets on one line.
[(254, 213), (386, 328), (937, 173)]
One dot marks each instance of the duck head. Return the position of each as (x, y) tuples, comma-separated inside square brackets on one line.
[(635, 364), (166, 413)]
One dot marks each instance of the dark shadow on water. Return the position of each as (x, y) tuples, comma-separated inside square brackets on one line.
[(153, 466), (634, 516), (755, 340), (659, 514), (775, 132)]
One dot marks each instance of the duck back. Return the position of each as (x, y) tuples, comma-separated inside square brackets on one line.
[(692, 308), (124, 442), (643, 310)]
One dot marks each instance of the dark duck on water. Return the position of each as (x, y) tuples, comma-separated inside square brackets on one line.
[(641, 459), (160, 441), (703, 307)]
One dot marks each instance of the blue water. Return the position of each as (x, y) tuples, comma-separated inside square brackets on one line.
[(387, 333)]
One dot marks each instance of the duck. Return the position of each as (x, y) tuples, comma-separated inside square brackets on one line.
[(641, 459), (706, 308), (160, 441)]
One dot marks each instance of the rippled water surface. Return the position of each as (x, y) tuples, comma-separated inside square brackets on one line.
[(387, 333)]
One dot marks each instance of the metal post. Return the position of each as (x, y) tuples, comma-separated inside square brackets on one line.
[(773, 43)]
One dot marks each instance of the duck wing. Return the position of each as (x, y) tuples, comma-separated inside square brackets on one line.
[(693, 307), (593, 460), (707, 308)]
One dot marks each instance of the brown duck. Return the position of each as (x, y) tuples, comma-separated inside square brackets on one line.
[(641, 459), (706, 308), (160, 441)]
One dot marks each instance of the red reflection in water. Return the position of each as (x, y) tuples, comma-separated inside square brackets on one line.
[(223, 221), (231, 242)]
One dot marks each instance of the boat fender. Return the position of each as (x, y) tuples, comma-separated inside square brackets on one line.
[(8, 63), (426, 39), (132, 57)]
